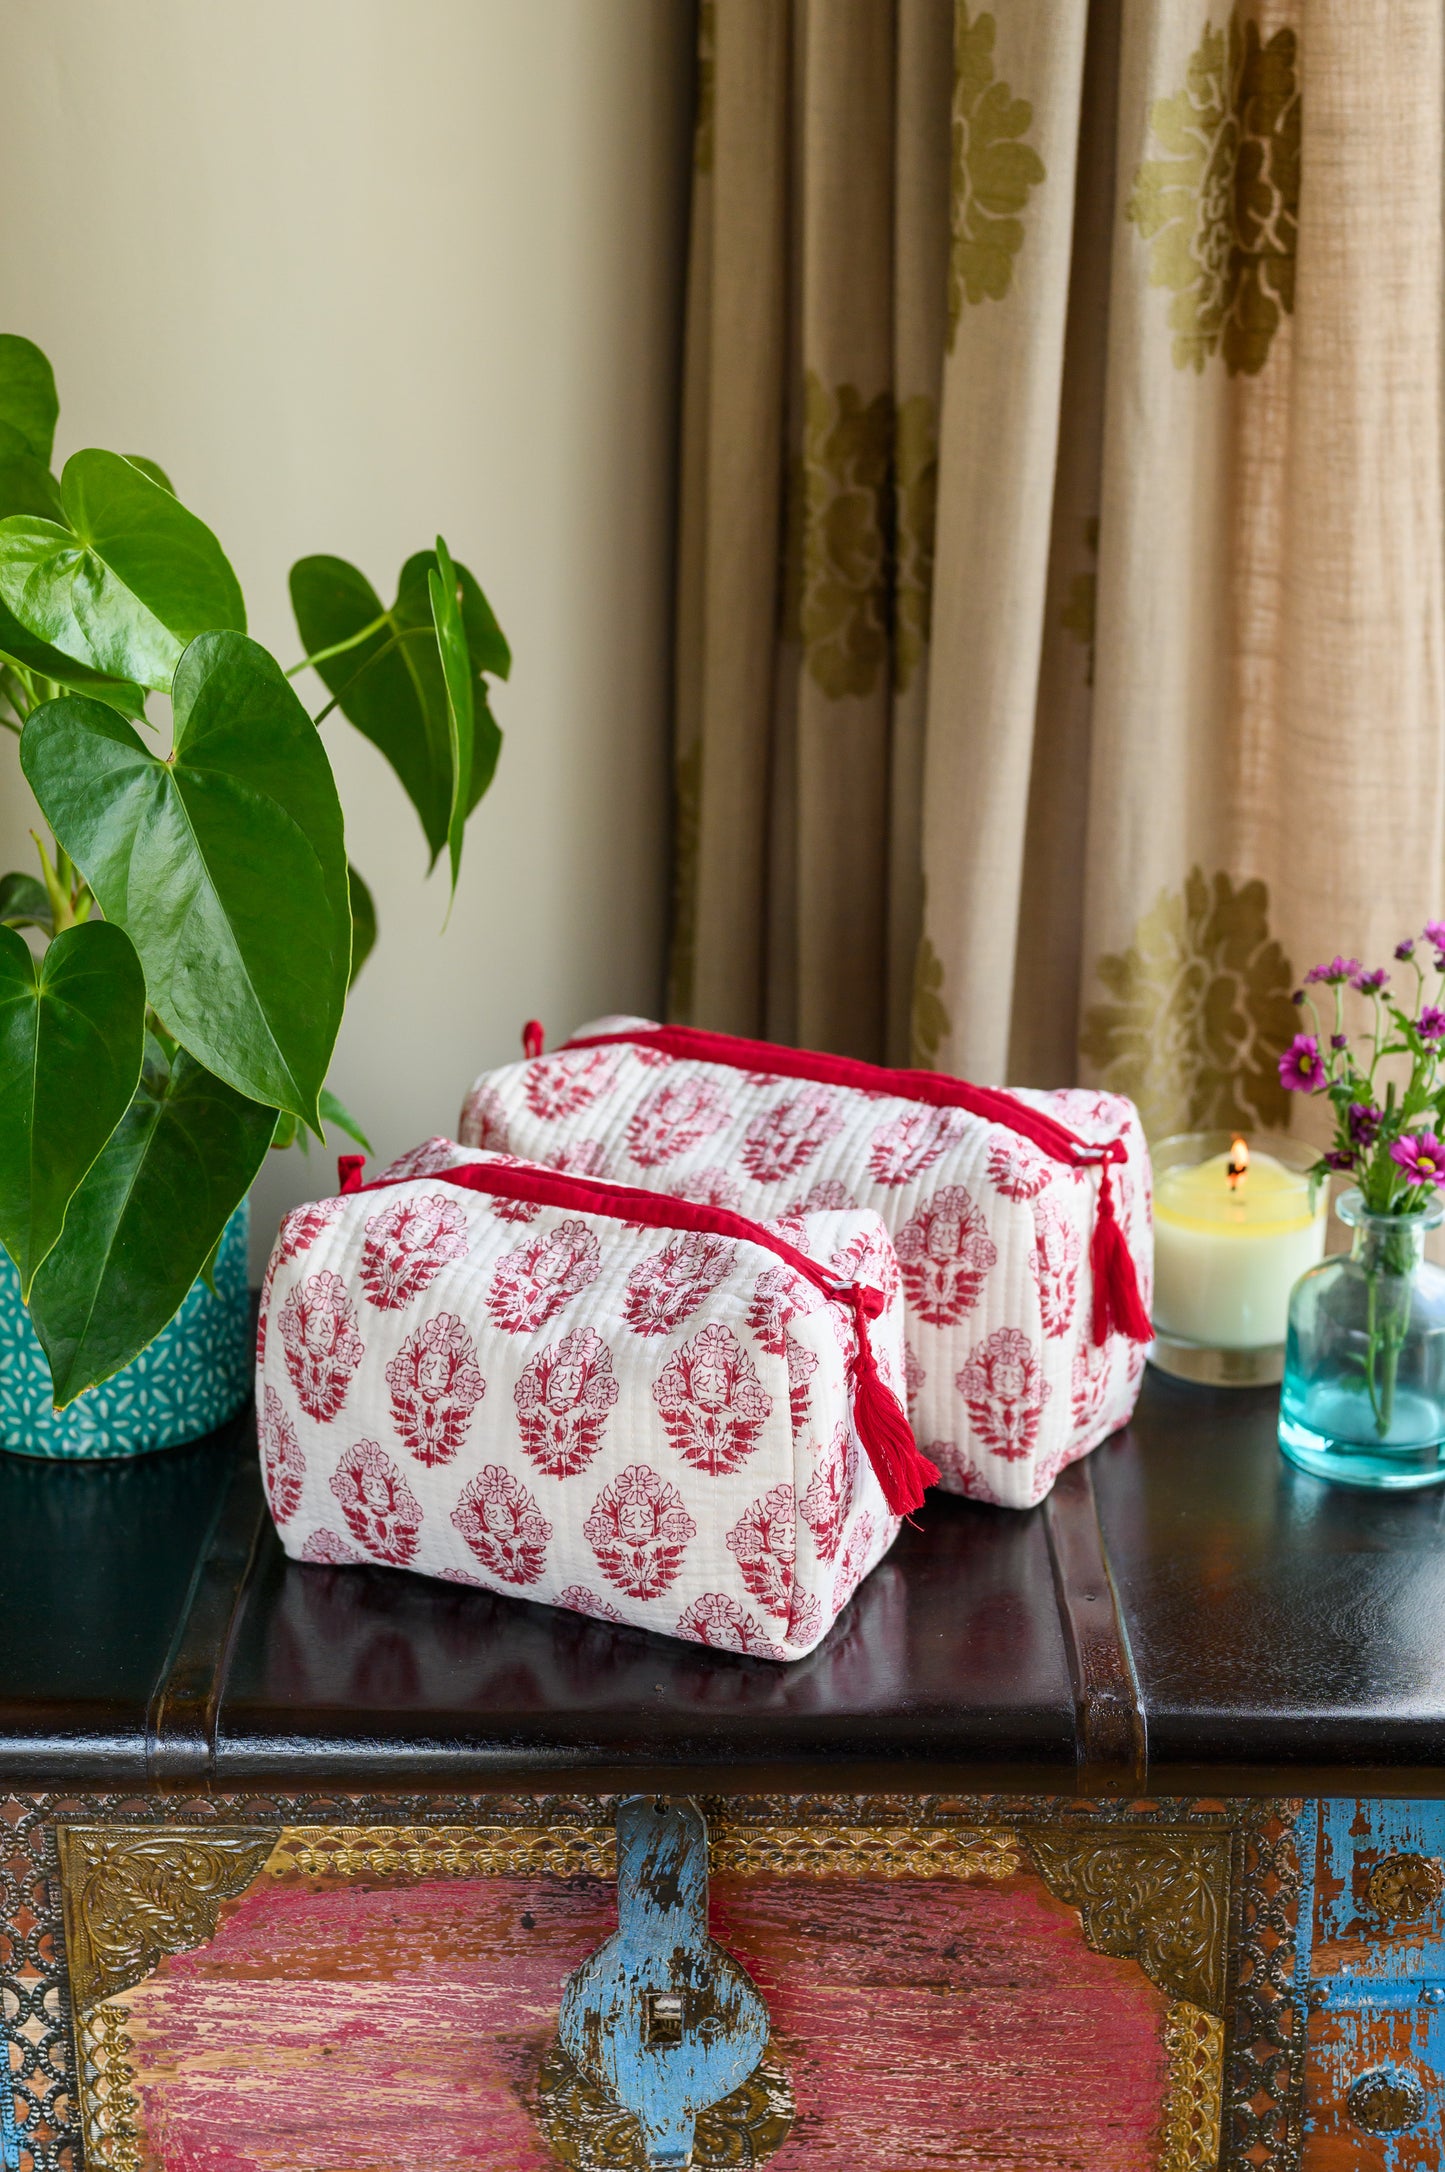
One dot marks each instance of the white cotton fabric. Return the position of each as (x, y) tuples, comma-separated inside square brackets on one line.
[(645, 1425), (1005, 1383)]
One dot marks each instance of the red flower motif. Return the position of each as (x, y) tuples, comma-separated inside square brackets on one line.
[(829, 1197), (582, 1157), (785, 1139), (1089, 1383), (764, 1541), (945, 1252), (425, 1160), (780, 1295), (323, 1349), (829, 1494), (1004, 1390), (639, 1529), (676, 1117), (484, 1120), (283, 1466), (805, 1617), (712, 1401), (1017, 1168), (325, 1548), (381, 1511), (912, 1141), (569, 1081), (850, 1569), (710, 1188), (303, 1225), (717, 1620), (869, 1257), (263, 1313), (435, 1386), (1058, 1249), (913, 1374), (580, 1600), (531, 1285), (501, 1522), (562, 1399), (666, 1286), (959, 1472), (802, 1364), (406, 1246), (1092, 1116)]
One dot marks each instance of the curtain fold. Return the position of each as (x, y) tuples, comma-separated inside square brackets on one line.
[(1061, 613)]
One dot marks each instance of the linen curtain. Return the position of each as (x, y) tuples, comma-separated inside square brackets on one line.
[(1060, 595)]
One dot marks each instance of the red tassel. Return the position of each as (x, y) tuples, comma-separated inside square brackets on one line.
[(902, 1471), (534, 1038), (1118, 1309), (348, 1171)]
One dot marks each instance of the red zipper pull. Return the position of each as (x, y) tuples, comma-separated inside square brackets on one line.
[(900, 1466), (534, 1038), (348, 1172)]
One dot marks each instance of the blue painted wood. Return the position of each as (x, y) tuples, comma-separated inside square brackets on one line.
[(661, 2015), (9, 2131)]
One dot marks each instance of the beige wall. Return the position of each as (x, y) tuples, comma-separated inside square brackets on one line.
[(353, 271)]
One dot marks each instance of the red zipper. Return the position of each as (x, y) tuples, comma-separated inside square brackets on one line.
[(1118, 1308), (902, 1471)]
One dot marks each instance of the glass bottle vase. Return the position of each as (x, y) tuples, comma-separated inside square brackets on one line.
[(1363, 1398)]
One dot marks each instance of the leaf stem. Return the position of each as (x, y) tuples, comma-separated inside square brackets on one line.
[(407, 633), (339, 648)]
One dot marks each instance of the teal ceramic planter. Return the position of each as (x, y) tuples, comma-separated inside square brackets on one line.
[(193, 1377)]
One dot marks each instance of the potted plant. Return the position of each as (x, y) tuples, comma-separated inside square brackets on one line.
[(169, 1011)]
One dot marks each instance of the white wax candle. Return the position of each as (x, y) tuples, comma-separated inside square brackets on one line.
[(1227, 1254)]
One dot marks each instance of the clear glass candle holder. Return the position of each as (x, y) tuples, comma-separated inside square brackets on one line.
[(1228, 1253), (1363, 1400)]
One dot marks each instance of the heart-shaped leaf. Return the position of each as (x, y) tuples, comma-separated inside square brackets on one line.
[(72, 1031), (153, 469), (125, 580), (28, 402), (226, 865), (145, 1220), (27, 486), (446, 612), (390, 684), (25, 902), (363, 922)]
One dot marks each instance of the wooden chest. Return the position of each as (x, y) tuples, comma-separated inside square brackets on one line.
[(1103, 1839)]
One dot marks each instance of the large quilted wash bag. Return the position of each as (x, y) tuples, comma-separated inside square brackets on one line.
[(633, 1406), (1022, 1220)]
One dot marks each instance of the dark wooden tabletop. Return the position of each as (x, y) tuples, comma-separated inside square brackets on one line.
[(1186, 1613)]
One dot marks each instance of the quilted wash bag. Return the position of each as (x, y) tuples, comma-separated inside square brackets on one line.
[(633, 1406), (1022, 1220)]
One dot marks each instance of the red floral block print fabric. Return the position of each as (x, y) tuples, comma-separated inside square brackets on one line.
[(1005, 1384), (651, 1427)]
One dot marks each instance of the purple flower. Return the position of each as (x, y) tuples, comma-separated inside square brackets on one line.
[(1422, 1157), (1440, 961), (1339, 970), (1335, 1157), (1371, 983), (1406, 949), (1364, 1122), (1299, 1066), (1298, 997), (1435, 933), (1430, 1025), (1339, 1040)]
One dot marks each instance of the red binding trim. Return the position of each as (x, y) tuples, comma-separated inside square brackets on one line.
[(1118, 1308), (902, 1471)]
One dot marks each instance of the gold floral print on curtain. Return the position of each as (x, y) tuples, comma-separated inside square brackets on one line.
[(993, 169), (931, 1022), (839, 555), (1195, 1012), (1220, 209), (915, 481)]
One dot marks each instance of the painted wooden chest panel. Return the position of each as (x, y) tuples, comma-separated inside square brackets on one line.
[(996, 1983)]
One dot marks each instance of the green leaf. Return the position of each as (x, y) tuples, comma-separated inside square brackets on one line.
[(27, 486), (25, 902), (287, 1131), (153, 469), (226, 865), (125, 581), (72, 1032), (28, 402), (391, 686), (446, 611), (363, 922), (144, 1222), (336, 1112)]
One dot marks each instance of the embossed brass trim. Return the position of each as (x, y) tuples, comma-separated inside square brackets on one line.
[(1405, 1888), (878, 1851), (589, 2131), (1194, 2042), (1161, 1899), (110, 2106), (453, 1851), (133, 1893)]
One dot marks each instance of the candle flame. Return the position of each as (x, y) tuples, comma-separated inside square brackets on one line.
[(1238, 1162)]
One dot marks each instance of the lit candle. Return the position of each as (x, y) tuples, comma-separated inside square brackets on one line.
[(1233, 1232)]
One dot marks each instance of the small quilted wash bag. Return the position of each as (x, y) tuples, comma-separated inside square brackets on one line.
[(636, 1407), (1022, 1220)]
